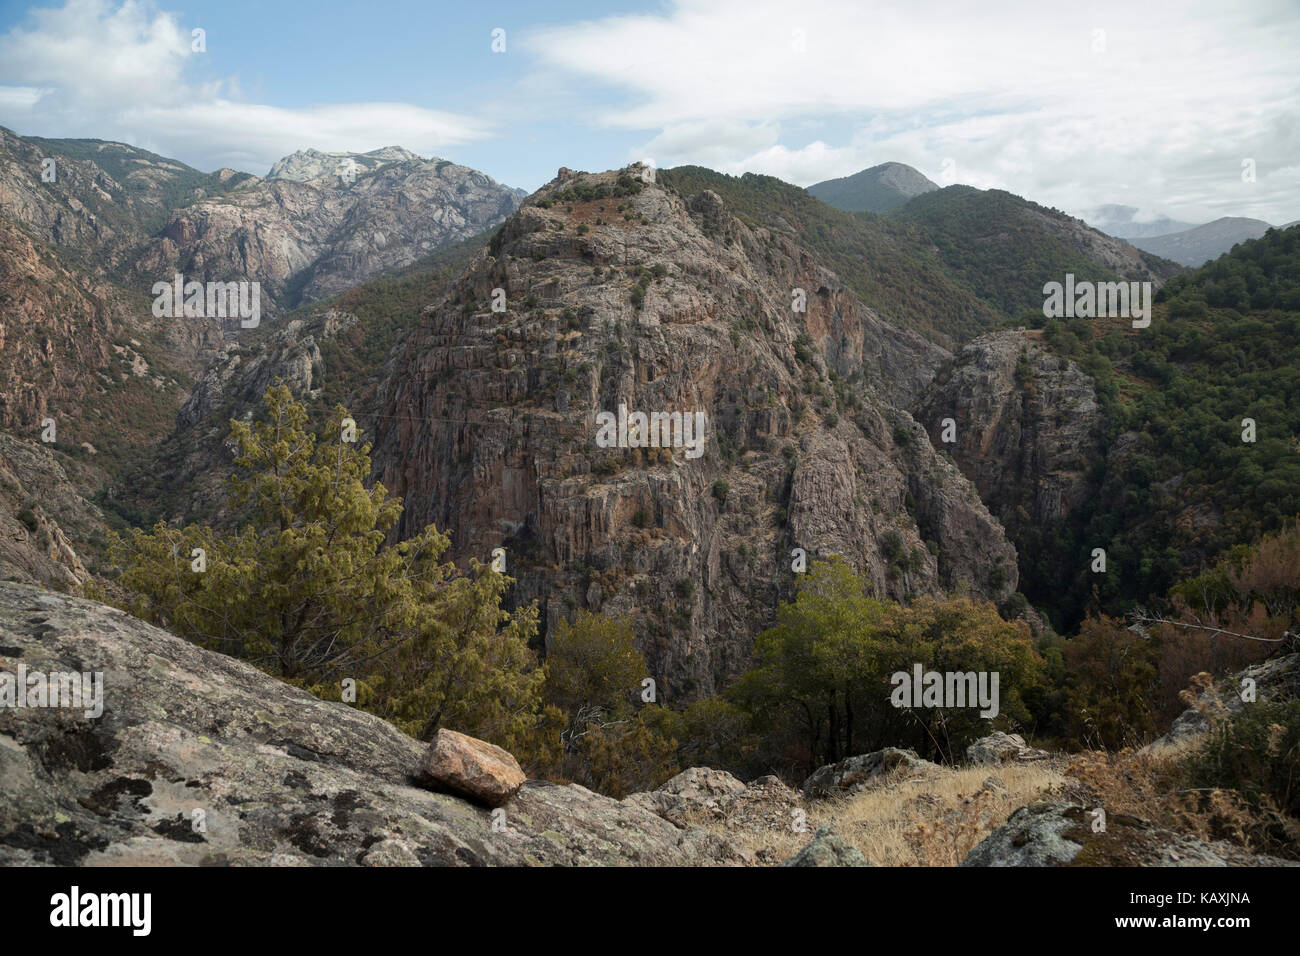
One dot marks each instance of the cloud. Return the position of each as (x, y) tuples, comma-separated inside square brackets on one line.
[(122, 72), (1158, 101)]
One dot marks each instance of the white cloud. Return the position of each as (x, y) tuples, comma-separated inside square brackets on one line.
[(1161, 105), (92, 68)]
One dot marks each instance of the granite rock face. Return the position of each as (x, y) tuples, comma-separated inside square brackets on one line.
[(310, 231), (1026, 423), (617, 292), (199, 759)]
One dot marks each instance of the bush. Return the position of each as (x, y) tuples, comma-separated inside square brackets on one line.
[(1255, 752)]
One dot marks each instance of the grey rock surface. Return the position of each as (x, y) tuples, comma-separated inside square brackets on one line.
[(276, 776)]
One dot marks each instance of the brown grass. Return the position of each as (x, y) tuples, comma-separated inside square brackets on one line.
[(920, 821)]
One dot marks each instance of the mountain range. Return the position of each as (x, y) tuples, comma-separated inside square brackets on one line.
[(859, 375)]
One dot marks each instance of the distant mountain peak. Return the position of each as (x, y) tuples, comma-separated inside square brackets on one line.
[(308, 164), (1198, 245), (878, 189), (1128, 222)]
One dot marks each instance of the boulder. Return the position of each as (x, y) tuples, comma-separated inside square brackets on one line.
[(827, 849), (473, 768), (1059, 834), (864, 772), (998, 748), (700, 794), (702, 784), (692, 794)]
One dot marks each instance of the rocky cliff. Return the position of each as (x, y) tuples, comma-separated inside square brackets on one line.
[(1027, 430), (619, 292), (79, 350)]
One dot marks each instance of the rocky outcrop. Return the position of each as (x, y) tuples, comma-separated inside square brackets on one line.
[(827, 848), (702, 795), (199, 759), (865, 772), (1060, 834), (692, 794), (471, 768), (1026, 428), (618, 292), (43, 519), (1000, 747)]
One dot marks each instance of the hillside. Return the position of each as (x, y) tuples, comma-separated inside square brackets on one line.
[(1197, 245), (1153, 454), (878, 189), (1004, 248), (951, 263)]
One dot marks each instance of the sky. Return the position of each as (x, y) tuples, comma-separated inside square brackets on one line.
[(1163, 106)]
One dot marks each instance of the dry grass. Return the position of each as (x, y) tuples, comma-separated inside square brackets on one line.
[(919, 821), (1153, 786)]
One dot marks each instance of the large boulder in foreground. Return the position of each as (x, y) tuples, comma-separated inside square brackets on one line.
[(472, 768), (198, 758), (865, 772), (1060, 834)]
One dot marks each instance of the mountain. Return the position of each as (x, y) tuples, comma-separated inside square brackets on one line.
[(306, 239), (1121, 222), (660, 299), (88, 226), (878, 189), (950, 264), (1199, 244), (308, 164), (901, 278)]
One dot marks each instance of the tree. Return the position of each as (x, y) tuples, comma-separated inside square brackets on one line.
[(825, 669), (593, 675), (593, 665), (309, 590), (818, 663)]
